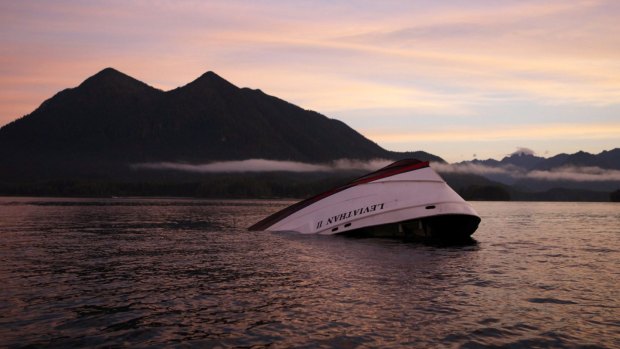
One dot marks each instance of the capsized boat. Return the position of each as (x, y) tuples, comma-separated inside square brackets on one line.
[(406, 199)]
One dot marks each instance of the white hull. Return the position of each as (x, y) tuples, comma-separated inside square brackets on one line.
[(405, 193)]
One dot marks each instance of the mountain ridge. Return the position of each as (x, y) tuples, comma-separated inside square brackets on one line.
[(112, 120), (606, 159), (89, 136), (578, 171)]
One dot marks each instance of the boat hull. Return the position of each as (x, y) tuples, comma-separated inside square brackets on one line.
[(390, 201)]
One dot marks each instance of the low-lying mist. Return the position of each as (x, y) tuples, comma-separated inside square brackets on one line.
[(564, 173), (263, 165)]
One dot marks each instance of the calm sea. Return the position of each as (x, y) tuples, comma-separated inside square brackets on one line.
[(186, 273)]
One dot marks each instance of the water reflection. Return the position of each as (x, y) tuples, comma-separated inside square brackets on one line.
[(186, 272)]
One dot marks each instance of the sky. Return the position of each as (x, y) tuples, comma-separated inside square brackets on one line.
[(461, 79)]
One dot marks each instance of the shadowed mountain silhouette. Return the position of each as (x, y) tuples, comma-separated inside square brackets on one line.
[(578, 171), (523, 160), (608, 159), (112, 120)]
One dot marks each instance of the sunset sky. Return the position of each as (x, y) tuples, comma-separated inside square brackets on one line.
[(459, 79)]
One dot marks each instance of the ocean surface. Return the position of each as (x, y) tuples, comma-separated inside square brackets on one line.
[(186, 273)]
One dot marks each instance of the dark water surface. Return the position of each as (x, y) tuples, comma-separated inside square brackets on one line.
[(186, 273)]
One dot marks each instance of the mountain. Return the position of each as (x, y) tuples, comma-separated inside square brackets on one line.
[(608, 159), (605, 160), (111, 120), (85, 141), (519, 159), (577, 172), (517, 162), (80, 128), (611, 158)]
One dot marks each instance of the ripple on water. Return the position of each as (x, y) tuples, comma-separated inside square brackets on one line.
[(161, 273)]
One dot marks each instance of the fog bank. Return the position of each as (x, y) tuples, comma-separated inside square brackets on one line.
[(263, 165), (565, 173)]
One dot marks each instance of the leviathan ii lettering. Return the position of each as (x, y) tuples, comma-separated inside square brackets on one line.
[(353, 213)]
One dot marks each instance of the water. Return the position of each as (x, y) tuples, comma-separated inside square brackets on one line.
[(164, 272)]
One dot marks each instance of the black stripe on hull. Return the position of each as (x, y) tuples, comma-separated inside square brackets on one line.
[(442, 229)]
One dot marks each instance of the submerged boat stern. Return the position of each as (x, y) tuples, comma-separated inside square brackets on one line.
[(443, 229)]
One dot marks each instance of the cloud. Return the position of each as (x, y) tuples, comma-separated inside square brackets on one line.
[(482, 133), (478, 169), (263, 165), (565, 173), (577, 174), (523, 150)]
